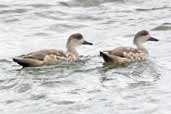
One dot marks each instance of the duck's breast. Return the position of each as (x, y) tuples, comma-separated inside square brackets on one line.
[(72, 57)]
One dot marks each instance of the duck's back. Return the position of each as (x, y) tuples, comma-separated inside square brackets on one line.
[(40, 55), (120, 51)]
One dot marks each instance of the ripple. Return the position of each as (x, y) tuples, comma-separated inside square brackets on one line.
[(87, 3), (55, 83), (64, 27), (152, 9), (41, 34), (64, 102), (4, 6), (40, 5), (47, 15), (8, 84), (140, 84), (11, 20), (3, 12), (5, 61), (38, 97), (23, 88), (163, 27), (11, 101)]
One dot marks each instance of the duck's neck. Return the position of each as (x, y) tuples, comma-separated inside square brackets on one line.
[(141, 47), (73, 51)]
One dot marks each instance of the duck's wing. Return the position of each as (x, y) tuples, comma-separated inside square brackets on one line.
[(40, 55), (120, 51), (113, 58), (37, 58)]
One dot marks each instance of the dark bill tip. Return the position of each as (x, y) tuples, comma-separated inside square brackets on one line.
[(153, 39), (87, 43)]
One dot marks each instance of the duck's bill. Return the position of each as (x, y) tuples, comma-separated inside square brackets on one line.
[(87, 43), (153, 39)]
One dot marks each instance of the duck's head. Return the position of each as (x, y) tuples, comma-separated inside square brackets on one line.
[(76, 40), (143, 36)]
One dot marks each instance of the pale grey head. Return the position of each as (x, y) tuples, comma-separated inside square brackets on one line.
[(74, 41), (142, 37)]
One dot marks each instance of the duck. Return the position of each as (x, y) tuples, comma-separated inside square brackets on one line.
[(125, 55), (53, 56)]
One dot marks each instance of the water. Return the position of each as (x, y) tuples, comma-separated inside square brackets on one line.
[(85, 87)]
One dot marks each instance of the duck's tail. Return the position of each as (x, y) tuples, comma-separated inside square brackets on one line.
[(114, 59), (21, 62), (107, 58), (27, 62)]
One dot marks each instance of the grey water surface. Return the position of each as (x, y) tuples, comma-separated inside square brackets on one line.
[(85, 87)]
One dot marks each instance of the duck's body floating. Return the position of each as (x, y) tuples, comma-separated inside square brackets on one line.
[(125, 55), (51, 56)]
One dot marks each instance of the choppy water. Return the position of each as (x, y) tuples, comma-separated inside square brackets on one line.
[(84, 87)]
